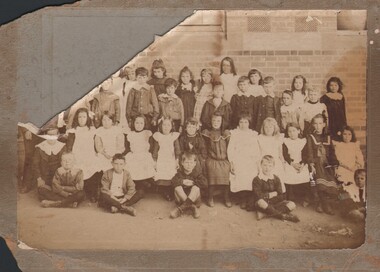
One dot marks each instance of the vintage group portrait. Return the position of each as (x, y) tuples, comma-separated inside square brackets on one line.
[(236, 129)]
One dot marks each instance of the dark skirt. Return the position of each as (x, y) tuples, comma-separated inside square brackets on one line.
[(325, 179), (218, 172)]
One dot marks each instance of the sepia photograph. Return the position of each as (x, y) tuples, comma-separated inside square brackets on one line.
[(236, 129)]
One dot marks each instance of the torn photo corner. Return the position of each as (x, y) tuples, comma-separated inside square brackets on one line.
[(225, 124)]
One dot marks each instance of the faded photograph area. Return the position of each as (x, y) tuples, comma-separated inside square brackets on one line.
[(236, 129)]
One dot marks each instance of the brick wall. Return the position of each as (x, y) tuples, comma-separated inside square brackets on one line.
[(283, 52)]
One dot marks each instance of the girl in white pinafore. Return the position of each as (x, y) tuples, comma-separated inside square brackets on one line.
[(296, 169), (244, 155), (139, 161), (166, 152), (109, 140), (270, 143)]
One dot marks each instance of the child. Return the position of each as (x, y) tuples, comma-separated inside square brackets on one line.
[(217, 165), (186, 91), (268, 194), (67, 185), (290, 113), (310, 109), (166, 152), (270, 143), (296, 168), (244, 154), (349, 155), (228, 77), (118, 189), (105, 101), (322, 160), (80, 142), (171, 105), (256, 83), (216, 105), (109, 140), (124, 83), (299, 90), (268, 105), (336, 107), (158, 73), (192, 141), (142, 100), (187, 183), (242, 103), (204, 93), (46, 161), (139, 161)]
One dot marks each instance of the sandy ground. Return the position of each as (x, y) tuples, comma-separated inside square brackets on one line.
[(89, 227)]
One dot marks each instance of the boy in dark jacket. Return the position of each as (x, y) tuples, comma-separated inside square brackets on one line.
[(187, 183)]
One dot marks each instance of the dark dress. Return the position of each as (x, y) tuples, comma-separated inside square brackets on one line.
[(196, 145), (266, 106), (242, 104), (209, 110), (336, 110), (188, 100), (320, 152), (217, 164), (158, 84)]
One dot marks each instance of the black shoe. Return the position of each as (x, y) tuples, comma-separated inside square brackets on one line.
[(327, 208), (290, 217)]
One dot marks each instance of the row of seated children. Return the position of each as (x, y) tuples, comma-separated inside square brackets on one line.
[(229, 160)]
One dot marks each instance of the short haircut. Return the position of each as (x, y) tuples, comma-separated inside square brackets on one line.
[(312, 90), (141, 71), (358, 172), (268, 158), (289, 92), (118, 156), (268, 79), (188, 156), (171, 82), (242, 79), (192, 121)]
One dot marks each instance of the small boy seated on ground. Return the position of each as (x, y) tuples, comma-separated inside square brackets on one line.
[(187, 183), (118, 191), (268, 194), (352, 200), (67, 185)]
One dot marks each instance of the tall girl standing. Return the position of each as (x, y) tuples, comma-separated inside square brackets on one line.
[(322, 160), (80, 142), (228, 77), (158, 74), (244, 156), (217, 164), (204, 93), (336, 107)]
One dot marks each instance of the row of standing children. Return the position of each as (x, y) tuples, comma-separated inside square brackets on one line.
[(251, 99)]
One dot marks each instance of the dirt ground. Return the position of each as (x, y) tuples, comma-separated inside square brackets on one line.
[(89, 227)]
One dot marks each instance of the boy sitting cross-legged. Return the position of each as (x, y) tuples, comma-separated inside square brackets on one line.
[(118, 191), (268, 194), (187, 183)]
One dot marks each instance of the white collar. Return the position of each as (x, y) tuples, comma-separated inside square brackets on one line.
[(51, 149), (265, 177), (271, 95), (187, 86), (247, 94)]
